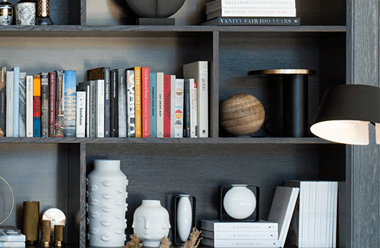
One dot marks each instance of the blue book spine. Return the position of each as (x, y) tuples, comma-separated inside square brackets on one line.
[(153, 105), (16, 86), (37, 126), (70, 97)]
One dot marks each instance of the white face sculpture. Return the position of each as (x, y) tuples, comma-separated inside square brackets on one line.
[(151, 225)]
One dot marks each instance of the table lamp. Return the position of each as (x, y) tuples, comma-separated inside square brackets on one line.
[(346, 112)]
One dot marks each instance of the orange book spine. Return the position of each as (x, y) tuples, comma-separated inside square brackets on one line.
[(138, 102), (36, 106), (145, 72)]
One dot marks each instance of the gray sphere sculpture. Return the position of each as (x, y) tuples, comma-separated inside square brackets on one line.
[(155, 8)]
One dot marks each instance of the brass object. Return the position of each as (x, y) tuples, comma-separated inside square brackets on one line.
[(43, 8), (31, 221), (45, 233), (55, 215), (58, 235)]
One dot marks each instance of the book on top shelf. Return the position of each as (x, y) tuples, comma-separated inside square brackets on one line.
[(254, 21), (70, 89), (172, 105), (16, 100), (145, 101), (3, 72), (36, 105), (221, 4), (29, 106), (59, 104), (138, 118), (160, 104), (122, 103), (114, 104), (44, 104), (178, 108), (153, 105), (130, 84), (81, 114), (251, 12), (22, 105), (167, 105), (9, 105), (99, 102), (52, 95)]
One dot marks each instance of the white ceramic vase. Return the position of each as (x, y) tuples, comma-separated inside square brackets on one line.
[(239, 201), (106, 204), (184, 217), (151, 222)]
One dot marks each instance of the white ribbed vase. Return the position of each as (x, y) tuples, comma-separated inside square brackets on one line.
[(184, 217), (106, 205)]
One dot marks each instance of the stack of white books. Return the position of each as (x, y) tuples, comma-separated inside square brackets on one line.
[(11, 237), (271, 233), (250, 8), (314, 222)]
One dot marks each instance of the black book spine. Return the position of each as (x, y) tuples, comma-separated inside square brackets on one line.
[(107, 94), (186, 116), (114, 104)]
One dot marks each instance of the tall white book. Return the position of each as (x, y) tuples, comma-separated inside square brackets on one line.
[(16, 100), (81, 114), (160, 105), (29, 106), (22, 105), (199, 71), (9, 97), (88, 102), (130, 85), (178, 108), (99, 126), (281, 211), (172, 106), (193, 108), (122, 103)]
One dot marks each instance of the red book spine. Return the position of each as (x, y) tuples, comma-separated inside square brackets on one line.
[(145, 71), (52, 85), (167, 105)]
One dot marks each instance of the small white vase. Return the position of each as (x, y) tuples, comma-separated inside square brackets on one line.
[(151, 223), (184, 217), (239, 201), (107, 204)]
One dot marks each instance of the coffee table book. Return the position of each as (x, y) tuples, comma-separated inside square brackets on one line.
[(254, 21), (216, 225)]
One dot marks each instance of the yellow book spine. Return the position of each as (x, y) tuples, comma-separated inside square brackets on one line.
[(138, 102), (36, 85)]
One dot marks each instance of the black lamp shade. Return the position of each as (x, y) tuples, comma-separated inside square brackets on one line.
[(345, 112)]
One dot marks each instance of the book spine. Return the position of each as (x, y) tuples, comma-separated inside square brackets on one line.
[(259, 4), (257, 12), (193, 109), (240, 243), (138, 102), (245, 21), (29, 106), (16, 100), (52, 86), (178, 108), (36, 106), (81, 114), (22, 105), (130, 77), (172, 106), (239, 226), (99, 109), (160, 104), (167, 105), (93, 108), (88, 102), (145, 100), (186, 115), (70, 103), (60, 104), (153, 105), (122, 104), (9, 97), (202, 100), (44, 104), (3, 72), (114, 104), (107, 107), (227, 235)]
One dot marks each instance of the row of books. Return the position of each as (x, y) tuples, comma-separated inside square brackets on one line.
[(133, 102), (251, 12), (270, 233)]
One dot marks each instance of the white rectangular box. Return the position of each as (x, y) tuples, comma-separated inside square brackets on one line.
[(81, 114)]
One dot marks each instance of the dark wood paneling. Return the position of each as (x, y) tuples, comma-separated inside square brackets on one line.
[(161, 172), (214, 88), (74, 194), (82, 200)]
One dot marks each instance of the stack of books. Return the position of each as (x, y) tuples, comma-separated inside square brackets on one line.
[(11, 237), (251, 12), (314, 222), (271, 233)]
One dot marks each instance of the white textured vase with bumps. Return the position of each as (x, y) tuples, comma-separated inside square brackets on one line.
[(106, 204)]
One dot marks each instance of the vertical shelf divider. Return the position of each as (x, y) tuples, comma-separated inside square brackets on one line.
[(214, 87), (82, 202)]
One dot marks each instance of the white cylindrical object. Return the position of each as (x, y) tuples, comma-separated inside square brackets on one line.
[(184, 217), (107, 206), (239, 201)]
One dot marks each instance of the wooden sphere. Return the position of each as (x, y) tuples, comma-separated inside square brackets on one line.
[(242, 114)]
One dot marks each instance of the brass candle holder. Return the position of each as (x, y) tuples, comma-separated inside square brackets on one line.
[(31, 221), (45, 233), (58, 235)]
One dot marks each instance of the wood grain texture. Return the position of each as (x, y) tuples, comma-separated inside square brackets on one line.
[(83, 13), (214, 88), (74, 194), (161, 172), (364, 65), (82, 200)]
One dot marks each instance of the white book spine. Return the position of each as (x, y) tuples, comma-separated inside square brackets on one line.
[(81, 114), (178, 108), (202, 104), (122, 108), (239, 235), (29, 106), (256, 12), (92, 108), (16, 100), (160, 104), (259, 4), (130, 81), (193, 109), (172, 106), (240, 243), (239, 226), (88, 110), (22, 105), (9, 97), (99, 108), (12, 244)]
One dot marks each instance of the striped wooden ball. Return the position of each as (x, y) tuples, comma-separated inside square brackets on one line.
[(242, 114)]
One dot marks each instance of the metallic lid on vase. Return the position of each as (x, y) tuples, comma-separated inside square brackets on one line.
[(6, 13)]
